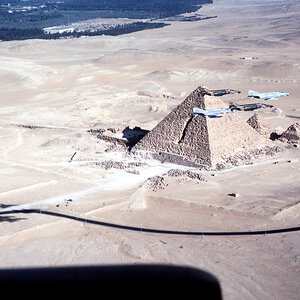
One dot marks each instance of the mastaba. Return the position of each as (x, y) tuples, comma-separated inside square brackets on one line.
[(200, 141)]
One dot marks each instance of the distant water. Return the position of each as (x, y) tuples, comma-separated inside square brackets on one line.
[(22, 19)]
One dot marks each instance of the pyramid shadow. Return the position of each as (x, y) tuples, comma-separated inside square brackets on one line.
[(134, 135)]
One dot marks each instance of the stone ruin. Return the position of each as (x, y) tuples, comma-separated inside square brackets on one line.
[(201, 141)]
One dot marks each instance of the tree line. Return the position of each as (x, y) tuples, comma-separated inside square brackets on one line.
[(9, 34)]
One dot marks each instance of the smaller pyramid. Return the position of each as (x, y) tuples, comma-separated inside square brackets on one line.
[(201, 141), (262, 127), (292, 134)]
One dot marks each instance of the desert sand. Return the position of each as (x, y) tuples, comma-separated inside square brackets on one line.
[(54, 92)]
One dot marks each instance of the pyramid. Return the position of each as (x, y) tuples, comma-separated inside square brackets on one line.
[(292, 134), (200, 141), (262, 127)]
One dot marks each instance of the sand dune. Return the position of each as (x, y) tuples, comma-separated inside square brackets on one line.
[(53, 92)]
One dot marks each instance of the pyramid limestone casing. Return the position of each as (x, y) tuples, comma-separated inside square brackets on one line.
[(202, 140)]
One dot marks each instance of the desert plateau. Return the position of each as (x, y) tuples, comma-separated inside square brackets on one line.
[(73, 191)]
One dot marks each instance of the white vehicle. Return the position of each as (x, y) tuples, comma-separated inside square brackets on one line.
[(266, 96), (211, 113)]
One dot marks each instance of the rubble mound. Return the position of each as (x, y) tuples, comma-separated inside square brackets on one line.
[(203, 141), (156, 183), (262, 127), (187, 173), (291, 135)]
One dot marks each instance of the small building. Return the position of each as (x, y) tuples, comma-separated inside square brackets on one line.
[(53, 30)]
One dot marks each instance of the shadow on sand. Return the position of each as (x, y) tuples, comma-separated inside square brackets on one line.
[(152, 230), (8, 218)]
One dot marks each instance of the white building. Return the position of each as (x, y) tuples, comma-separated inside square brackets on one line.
[(53, 30)]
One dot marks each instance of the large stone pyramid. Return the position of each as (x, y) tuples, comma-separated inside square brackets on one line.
[(201, 140)]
